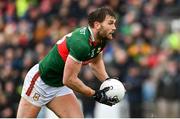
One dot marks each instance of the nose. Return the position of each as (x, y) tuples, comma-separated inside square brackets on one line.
[(114, 27)]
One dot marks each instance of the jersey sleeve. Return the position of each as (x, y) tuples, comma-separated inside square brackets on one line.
[(78, 51), (77, 44)]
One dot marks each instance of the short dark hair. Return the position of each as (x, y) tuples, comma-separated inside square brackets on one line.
[(100, 15)]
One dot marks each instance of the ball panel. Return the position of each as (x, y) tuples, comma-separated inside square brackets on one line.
[(116, 88)]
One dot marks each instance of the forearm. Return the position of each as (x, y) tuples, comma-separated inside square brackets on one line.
[(71, 79), (98, 70), (79, 86)]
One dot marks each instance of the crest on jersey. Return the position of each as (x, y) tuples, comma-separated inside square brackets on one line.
[(36, 96), (99, 49)]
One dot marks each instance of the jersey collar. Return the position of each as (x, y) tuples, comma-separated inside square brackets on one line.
[(92, 35)]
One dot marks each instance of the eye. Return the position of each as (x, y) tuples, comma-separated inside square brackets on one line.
[(110, 23)]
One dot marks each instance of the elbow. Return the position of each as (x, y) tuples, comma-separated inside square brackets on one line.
[(67, 82)]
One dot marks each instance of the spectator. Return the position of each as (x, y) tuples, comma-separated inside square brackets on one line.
[(167, 91), (133, 83)]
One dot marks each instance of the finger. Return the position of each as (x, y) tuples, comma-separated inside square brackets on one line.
[(108, 78), (109, 103), (114, 99), (106, 89), (116, 78)]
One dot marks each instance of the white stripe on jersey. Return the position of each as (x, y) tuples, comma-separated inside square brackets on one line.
[(74, 59), (92, 35)]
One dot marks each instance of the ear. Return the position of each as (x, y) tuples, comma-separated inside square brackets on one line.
[(97, 25)]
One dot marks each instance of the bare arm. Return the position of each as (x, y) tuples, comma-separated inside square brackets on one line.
[(98, 68), (70, 79)]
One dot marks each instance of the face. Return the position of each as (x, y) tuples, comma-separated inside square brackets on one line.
[(107, 28)]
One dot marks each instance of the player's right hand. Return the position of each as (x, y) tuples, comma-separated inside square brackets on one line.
[(100, 96), (112, 78)]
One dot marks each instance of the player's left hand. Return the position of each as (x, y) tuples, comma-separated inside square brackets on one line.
[(100, 96)]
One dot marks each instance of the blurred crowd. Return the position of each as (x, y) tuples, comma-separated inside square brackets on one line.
[(145, 53)]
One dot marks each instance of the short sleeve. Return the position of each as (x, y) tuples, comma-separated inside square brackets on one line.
[(78, 51), (78, 45)]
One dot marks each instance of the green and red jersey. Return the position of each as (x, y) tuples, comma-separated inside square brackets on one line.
[(80, 45)]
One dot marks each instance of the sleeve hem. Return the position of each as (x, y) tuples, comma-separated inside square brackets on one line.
[(74, 59)]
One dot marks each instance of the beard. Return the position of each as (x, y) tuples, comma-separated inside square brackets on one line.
[(102, 35), (102, 38)]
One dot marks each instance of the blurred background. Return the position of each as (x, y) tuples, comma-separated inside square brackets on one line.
[(145, 53)]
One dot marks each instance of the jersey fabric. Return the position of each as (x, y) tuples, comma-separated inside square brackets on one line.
[(80, 45)]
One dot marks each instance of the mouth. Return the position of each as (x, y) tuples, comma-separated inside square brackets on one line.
[(111, 33)]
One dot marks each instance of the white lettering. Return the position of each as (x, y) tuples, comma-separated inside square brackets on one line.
[(82, 31)]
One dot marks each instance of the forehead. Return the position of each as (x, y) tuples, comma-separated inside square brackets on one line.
[(109, 18)]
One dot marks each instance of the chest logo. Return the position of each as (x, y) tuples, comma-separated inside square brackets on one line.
[(99, 49), (92, 52)]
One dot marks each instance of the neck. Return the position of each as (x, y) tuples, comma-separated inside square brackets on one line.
[(97, 37)]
